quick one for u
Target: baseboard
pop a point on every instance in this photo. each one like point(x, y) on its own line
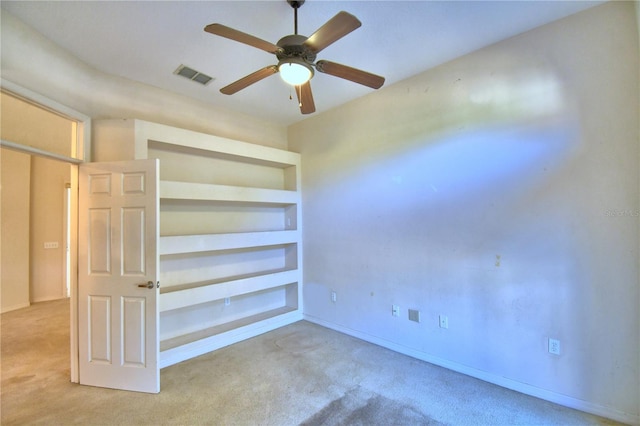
point(48, 299)
point(15, 307)
point(547, 395)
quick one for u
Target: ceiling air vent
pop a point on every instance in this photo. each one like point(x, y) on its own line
point(193, 75)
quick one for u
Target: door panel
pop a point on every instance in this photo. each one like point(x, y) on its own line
point(99, 241)
point(133, 336)
point(118, 269)
point(99, 316)
point(133, 253)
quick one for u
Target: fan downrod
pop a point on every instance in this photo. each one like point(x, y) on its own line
point(295, 4)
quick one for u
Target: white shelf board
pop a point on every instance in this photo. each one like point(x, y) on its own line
point(210, 242)
point(173, 351)
point(159, 133)
point(208, 293)
point(202, 191)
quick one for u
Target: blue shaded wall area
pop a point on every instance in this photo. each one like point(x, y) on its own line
point(502, 191)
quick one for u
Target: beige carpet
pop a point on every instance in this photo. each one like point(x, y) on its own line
point(299, 374)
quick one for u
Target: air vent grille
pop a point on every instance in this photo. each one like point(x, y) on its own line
point(193, 75)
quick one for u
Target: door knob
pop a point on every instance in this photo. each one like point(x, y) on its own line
point(147, 285)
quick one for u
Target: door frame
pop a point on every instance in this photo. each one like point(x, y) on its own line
point(81, 152)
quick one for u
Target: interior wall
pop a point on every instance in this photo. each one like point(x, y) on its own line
point(33, 213)
point(47, 271)
point(14, 215)
point(32, 61)
point(500, 190)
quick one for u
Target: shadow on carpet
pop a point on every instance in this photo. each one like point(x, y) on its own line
point(360, 407)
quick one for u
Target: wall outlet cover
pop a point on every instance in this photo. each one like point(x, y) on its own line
point(444, 321)
point(554, 346)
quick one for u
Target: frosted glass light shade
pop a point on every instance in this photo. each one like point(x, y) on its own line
point(294, 72)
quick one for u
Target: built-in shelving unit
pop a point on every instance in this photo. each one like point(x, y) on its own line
point(229, 247)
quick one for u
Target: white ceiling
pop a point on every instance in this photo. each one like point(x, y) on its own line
point(147, 40)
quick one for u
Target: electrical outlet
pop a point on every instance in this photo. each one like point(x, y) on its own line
point(444, 321)
point(227, 301)
point(334, 297)
point(414, 315)
point(51, 245)
point(554, 346)
point(395, 310)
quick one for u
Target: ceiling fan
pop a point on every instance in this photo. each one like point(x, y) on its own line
point(297, 54)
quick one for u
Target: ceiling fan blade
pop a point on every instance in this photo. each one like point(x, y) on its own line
point(230, 33)
point(236, 86)
point(352, 74)
point(305, 98)
point(335, 28)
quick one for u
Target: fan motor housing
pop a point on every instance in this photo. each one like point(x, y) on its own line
point(292, 47)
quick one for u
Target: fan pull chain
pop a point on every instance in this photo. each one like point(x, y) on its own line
point(298, 92)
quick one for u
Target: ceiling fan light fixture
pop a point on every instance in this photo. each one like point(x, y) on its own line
point(295, 71)
point(297, 56)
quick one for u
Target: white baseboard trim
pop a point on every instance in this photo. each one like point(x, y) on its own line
point(524, 388)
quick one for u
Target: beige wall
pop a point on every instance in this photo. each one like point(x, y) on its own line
point(502, 191)
point(14, 247)
point(32, 214)
point(48, 181)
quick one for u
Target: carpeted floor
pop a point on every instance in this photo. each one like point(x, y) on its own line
point(299, 374)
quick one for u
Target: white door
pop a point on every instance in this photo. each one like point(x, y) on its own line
point(117, 273)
